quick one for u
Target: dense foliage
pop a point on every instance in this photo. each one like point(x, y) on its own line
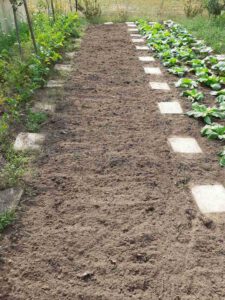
point(19, 78)
point(184, 55)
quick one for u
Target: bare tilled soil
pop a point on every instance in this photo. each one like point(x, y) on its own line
point(110, 213)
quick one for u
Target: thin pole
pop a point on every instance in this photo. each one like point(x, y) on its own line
point(30, 25)
point(76, 1)
point(53, 10)
point(17, 30)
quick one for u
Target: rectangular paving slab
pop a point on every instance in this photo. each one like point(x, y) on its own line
point(44, 107)
point(138, 40)
point(136, 35)
point(63, 68)
point(142, 48)
point(184, 145)
point(132, 29)
point(108, 23)
point(210, 198)
point(55, 83)
point(132, 25)
point(29, 141)
point(146, 58)
point(70, 55)
point(170, 107)
point(152, 71)
point(159, 86)
point(9, 199)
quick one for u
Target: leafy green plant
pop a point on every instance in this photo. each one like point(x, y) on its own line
point(193, 95)
point(34, 120)
point(220, 68)
point(6, 219)
point(173, 61)
point(179, 71)
point(14, 169)
point(205, 113)
point(201, 71)
point(220, 95)
point(214, 131)
point(211, 81)
point(222, 158)
point(211, 60)
point(187, 83)
point(196, 63)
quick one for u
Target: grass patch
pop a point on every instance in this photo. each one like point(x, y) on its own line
point(14, 168)
point(35, 120)
point(6, 219)
point(130, 10)
point(211, 30)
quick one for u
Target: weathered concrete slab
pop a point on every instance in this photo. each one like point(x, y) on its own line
point(210, 198)
point(70, 55)
point(142, 48)
point(146, 58)
point(132, 29)
point(9, 199)
point(138, 40)
point(184, 145)
point(136, 35)
point(55, 84)
point(132, 25)
point(29, 141)
point(159, 86)
point(108, 23)
point(62, 68)
point(173, 107)
point(44, 107)
point(152, 71)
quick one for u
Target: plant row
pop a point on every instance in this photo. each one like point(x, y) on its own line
point(199, 70)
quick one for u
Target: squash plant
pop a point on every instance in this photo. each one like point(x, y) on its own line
point(205, 113)
point(214, 131)
point(222, 157)
point(186, 83)
point(193, 95)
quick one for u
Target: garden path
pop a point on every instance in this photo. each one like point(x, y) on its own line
point(111, 215)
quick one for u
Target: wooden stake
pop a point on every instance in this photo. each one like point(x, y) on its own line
point(30, 25)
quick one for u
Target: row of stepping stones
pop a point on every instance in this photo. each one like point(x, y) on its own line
point(210, 198)
point(27, 141)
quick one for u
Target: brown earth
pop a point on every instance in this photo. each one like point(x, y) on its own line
point(111, 215)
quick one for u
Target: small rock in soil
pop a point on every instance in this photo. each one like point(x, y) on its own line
point(86, 275)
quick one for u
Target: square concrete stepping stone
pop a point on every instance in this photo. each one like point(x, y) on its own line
point(170, 107)
point(55, 83)
point(136, 35)
point(44, 107)
point(210, 198)
point(132, 29)
point(70, 55)
point(152, 71)
point(184, 145)
point(146, 58)
point(9, 199)
point(138, 40)
point(163, 86)
point(63, 68)
point(142, 48)
point(108, 23)
point(29, 141)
